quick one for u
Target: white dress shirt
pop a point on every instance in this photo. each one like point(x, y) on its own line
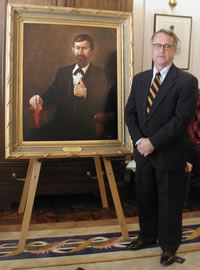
point(78, 76)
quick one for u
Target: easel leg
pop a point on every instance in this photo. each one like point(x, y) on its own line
point(101, 183)
point(26, 188)
point(115, 196)
point(31, 190)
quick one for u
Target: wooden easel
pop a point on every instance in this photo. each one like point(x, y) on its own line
point(30, 186)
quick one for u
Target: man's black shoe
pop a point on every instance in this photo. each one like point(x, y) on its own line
point(138, 244)
point(167, 258)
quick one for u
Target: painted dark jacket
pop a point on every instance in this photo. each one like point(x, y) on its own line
point(74, 116)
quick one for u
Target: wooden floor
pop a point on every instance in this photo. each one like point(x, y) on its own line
point(85, 207)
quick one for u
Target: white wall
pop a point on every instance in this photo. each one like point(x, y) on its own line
point(144, 11)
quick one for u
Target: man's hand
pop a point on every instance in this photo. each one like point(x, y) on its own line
point(145, 147)
point(35, 101)
point(80, 89)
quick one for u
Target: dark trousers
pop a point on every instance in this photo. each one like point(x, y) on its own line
point(160, 198)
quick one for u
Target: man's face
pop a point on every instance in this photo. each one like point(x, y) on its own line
point(82, 52)
point(162, 57)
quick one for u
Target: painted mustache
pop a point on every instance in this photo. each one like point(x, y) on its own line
point(81, 59)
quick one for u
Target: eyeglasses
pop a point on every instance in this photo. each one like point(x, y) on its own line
point(158, 46)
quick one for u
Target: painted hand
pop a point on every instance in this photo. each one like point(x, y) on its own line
point(80, 89)
point(36, 102)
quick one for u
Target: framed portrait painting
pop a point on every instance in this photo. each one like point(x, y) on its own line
point(182, 27)
point(51, 108)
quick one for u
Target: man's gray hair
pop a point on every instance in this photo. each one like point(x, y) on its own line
point(167, 32)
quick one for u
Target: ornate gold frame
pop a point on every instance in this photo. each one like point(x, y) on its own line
point(20, 15)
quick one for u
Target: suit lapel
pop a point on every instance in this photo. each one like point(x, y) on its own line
point(165, 87)
point(69, 79)
point(68, 93)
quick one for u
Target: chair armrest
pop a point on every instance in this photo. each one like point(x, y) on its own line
point(36, 116)
point(42, 115)
point(102, 117)
point(100, 120)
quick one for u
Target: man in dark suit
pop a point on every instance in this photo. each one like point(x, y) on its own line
point(157, 123)
point(79, 91)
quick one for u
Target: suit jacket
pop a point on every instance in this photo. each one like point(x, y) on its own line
point(166, 124)
point(74, 116)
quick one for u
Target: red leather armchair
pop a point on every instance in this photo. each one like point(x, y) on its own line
point(194, 140)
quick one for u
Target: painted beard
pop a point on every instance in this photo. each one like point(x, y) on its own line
point(81, 60)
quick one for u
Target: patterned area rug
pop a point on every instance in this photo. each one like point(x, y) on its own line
point(67, 247)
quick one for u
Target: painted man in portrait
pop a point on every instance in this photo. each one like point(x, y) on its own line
point(82, 95)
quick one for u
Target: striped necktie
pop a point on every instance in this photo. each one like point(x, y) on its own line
point(153, 91)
